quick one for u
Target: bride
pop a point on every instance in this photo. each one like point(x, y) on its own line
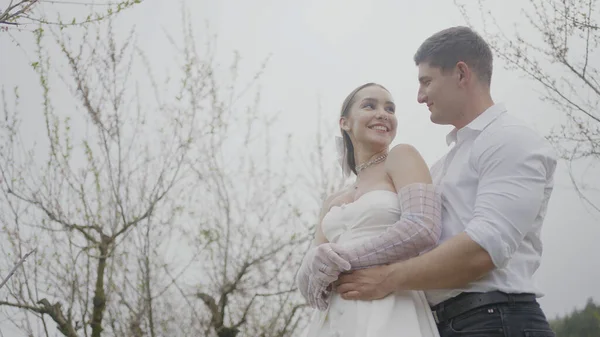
point(392, 212)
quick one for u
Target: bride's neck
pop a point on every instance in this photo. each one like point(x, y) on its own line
point(362, 156)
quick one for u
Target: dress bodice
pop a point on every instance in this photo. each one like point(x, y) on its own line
point(369, 215)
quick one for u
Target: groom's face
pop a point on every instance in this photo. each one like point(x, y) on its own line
point(440, 91)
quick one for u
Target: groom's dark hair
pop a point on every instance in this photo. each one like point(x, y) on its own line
point(446, 48)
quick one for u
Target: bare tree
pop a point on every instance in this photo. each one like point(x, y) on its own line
point(20, 13)
point(153, 210)
point(563, 58)
point(250, 219)
point(82, 202)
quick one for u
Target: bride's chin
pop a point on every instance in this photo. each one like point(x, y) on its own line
point(379, 142)
point(375, 141)
point(376, 147)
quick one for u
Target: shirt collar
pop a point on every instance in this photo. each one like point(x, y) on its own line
point(479, 123)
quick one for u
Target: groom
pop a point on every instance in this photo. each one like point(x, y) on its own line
point(496, 181)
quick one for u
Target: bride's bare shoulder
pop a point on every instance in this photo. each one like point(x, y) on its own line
point(403, 151)
point(405, 165)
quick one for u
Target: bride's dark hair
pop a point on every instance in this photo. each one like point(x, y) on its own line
point(348, 102)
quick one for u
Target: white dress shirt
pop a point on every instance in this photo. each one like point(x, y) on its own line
point(496, 182)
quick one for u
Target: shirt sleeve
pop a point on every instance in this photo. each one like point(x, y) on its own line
point(516, 169)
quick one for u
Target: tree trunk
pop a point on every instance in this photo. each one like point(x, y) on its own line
point(99, 296)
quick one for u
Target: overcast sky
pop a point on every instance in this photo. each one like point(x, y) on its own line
point(322, 49)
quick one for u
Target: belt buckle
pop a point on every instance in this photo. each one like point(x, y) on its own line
point(435, 316)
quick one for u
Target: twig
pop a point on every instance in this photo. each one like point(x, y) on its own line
point(16, 267)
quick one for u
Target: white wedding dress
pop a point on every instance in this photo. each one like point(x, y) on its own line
point(401, 314)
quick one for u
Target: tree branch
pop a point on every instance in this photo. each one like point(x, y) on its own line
point(52, 310)
point(16, 267)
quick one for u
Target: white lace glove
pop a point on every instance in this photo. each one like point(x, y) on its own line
point(320, 267)
point(418, 230)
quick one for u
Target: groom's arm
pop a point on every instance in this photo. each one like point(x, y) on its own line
point(515, 166)
point(452, 264)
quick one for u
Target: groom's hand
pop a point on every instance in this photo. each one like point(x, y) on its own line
point(366, 284)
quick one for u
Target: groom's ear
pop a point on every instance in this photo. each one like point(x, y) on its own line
point(463, 72)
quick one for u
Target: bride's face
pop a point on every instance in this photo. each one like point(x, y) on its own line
point(371, 119)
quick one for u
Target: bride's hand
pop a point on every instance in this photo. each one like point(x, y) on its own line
point(321, 267)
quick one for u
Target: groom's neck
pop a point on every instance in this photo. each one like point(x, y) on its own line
point(479, 101)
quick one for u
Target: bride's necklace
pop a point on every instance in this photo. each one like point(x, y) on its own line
point(363, 166)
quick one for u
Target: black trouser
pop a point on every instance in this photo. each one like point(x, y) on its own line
point(517, 316)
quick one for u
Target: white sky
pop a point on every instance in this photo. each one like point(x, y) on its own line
point(325, 48)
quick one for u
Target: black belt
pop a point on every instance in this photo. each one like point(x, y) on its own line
point(469, 301)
